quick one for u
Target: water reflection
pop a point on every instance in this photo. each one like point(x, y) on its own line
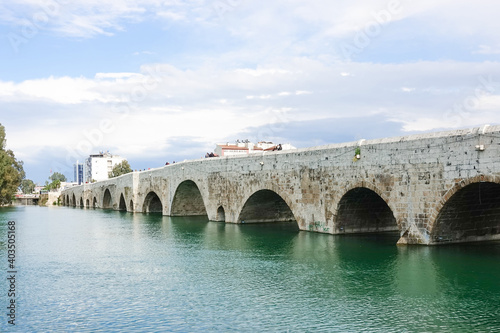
point(119, 271)
point(481, 271)
point(315, 249)
point(268, 239)
point(189, 225)
point(153, 225)
point(415, 272)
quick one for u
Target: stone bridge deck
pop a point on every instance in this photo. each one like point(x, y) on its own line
point(433, 188)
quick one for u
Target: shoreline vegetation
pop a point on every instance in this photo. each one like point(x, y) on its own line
point(11, 171)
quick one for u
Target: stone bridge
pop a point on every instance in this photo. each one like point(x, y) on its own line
point(433, 188)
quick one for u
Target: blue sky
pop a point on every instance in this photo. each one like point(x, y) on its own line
point(158, 81)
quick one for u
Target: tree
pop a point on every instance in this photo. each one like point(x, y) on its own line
point(120, 169)
point(11, 171)
point(55, 185)
point(27, 186)
point(58, 176)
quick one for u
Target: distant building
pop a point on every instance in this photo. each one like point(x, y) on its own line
point(66, 185)
point(98, 166)
point(230, 150)
point(78, 173)
point(38, 189)
point(246, 147)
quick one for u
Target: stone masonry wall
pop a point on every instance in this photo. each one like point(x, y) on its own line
point(414, 177)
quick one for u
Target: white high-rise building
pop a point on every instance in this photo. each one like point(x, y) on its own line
point(98, 166)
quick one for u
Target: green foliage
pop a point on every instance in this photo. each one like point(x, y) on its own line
point(43, 200)
point(357, 151)
point(11, 171)
point(120, 169)
point(27, 186)
point(58, 176)
point(55, 185)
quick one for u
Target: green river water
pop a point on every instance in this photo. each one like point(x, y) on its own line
point(81, 270)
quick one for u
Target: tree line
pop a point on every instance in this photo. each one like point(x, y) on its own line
point(11, 171)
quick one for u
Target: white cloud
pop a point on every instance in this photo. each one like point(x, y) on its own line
point(117, 75)
point(163, 101)
point(144, 52)
point(171, 15)
point(268, 60)
point(63, 90)
point(272, 23)
point(261, 71)
point(89, 18)
point(489, 103)
point(265, 30)
point(303, 92)
point(487, 49)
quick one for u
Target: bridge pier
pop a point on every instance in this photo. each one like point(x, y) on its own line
point(26, 201)
point(413, 236)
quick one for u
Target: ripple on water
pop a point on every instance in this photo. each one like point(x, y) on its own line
point(95, 271)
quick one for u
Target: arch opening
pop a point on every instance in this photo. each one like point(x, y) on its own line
point(73, 203)
point(152, 203)
point(471, 214)
point(122, 205)
point(87, 203)
point(265, 206)
point(81, 203)
point(94, 203)
point(188, 200)
point(107, 201)
point(66, 203)
point(221, 214)
point(362, 210)
point(131, 206)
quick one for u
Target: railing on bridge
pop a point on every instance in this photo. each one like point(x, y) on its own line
point(26, 199)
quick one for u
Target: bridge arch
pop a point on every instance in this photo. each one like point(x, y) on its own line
point(221, 214)
point(81, 203)
point(364, 208)
point(265, 206)
point(94, 203)
point(122, 206)
point(73, 202)
point(188, 200)
point(131, 206)
point(152, 203)
point(87, 203)
point(468, 212)
point(107, 200)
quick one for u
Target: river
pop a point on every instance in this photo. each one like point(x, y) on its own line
point(84, 270)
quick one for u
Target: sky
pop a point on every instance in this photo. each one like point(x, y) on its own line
point(157, 81)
